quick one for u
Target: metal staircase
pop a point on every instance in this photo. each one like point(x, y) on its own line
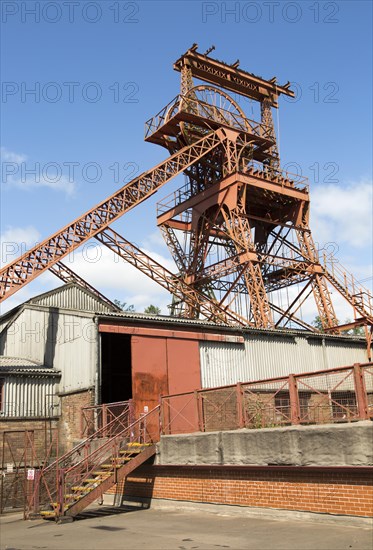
point(359, 297)
point(71, 483)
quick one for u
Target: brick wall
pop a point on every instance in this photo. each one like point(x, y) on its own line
point(70, 427)
point(14, 443)
point(346, 491)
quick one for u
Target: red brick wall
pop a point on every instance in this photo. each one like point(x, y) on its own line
point(346, 491)
point(70, 425)
point(44, 432)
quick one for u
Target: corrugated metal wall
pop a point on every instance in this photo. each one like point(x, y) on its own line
point(268, 356)
point(72, 297)
point(67, 342)
point(29, 396)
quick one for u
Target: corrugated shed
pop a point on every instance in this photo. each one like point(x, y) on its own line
point(56, 338)
point(20, 366)
point(72, 296)
point(18, 362)
point(268, 356)
point(29, 396)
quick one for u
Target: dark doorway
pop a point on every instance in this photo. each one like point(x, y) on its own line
point(116, 379)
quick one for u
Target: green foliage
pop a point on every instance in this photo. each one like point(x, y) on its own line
point(152, 310)
point(124, 307)
point(317, 323)
point(356, 331)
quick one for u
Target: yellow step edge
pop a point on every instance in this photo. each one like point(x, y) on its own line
point(55, 504)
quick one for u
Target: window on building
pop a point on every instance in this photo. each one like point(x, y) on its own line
point(282, 404)
point(343, 405)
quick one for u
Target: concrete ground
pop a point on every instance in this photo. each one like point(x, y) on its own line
point(153, 529)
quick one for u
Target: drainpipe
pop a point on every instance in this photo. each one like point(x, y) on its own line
point(325, 355)
point(97, 365)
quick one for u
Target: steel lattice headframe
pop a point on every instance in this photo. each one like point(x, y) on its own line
point(238, 229)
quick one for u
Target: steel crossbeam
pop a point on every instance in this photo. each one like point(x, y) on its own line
point(41, 257)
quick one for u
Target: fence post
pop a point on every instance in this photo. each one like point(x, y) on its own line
point(36, 492)
point(360, 392)
point(199, 411)
point(161, 416)
point(240, 414)
point(61, 491)
point(104, 420)
point(82, 423)
point(294, 400)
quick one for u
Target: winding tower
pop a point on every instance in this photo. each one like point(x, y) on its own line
point(238, 229)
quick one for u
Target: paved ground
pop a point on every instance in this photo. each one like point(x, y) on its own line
point(179, 530)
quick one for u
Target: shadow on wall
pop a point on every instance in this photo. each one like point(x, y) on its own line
point(51, 337)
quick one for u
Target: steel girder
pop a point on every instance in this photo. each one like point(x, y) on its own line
point(34, 262)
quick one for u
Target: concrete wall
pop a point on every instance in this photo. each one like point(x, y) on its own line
point(325, 445)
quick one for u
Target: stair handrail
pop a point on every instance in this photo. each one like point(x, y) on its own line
point(78, 473)
point(83, 443)
point(54, 477)
point(111, 440)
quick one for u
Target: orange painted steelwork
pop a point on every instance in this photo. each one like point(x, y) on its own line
point(238, 230)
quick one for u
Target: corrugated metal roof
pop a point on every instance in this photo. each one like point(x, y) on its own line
point(71, 296)
point(167, 319)
point(21, 365)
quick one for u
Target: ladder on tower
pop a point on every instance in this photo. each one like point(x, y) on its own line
point(83, 475)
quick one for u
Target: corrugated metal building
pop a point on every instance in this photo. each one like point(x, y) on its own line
point(106, 356)
point(27, 389)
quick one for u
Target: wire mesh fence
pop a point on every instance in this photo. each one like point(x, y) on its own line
point(95, 417)
point(344, 394)
point(22, 452)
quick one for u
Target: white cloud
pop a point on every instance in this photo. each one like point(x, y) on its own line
point(18, 171)
point(156, 240)
point(15, 241)
point(117, 278)
point(9, 156)
point(343, 214)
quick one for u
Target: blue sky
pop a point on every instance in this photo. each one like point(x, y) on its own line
point(101, 69)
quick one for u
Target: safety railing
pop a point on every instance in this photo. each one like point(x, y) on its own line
point(208, 112)
point(337, 395)
point(276, 175)
point(54, 484)
point(282, 178)
point(93, 418)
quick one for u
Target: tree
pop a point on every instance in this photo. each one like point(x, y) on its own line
point(152, 310)
point(317, 323)
point(124, 307)
point(356, 331)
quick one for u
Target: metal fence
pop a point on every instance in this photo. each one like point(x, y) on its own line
point(343, 394)
point(95, 417)
point(54, 483)
point(22, 452)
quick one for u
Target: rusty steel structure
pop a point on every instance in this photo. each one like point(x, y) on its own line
point(238, 229)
